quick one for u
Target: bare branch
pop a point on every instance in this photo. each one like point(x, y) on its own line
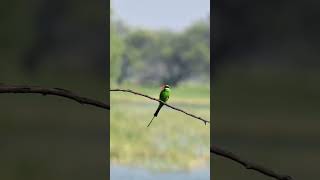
point(83, 100)
point(247, 164)
point(54, 92)
point(172, 107)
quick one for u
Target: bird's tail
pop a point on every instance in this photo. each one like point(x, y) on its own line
point(157, 111)
point(150, 121)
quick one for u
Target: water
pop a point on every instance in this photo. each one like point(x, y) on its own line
point(129, 173)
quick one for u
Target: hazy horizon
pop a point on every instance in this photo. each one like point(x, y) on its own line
point(165, 14)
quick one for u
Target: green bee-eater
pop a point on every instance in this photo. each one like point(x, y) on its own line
point(164, 96)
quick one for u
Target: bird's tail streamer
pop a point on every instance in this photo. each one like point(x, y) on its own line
point(151, 121)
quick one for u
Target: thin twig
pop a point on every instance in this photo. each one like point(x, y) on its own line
point(247, 164)
point(172, 107)
point(54, 92)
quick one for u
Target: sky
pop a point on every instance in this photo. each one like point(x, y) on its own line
point(174, 15)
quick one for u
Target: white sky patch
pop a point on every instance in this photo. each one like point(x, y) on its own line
point(174, 15)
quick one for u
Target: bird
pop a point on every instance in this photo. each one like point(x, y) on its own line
point(164, 96)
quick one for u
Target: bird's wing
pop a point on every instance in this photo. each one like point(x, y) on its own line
point(164, 95)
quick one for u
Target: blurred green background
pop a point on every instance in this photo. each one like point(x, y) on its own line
point(53, 44)
point(143, 59)
point(265, 99)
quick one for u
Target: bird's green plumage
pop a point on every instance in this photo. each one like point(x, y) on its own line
point(164, 96)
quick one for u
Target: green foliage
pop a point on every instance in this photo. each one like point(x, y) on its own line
point(116, 52)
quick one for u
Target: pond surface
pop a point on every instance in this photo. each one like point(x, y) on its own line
point(129, 173)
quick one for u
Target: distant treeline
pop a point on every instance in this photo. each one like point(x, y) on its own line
point(152, 57)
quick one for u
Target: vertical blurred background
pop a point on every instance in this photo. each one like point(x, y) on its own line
point(155, 43)
point(266, 87)
point(53, 43)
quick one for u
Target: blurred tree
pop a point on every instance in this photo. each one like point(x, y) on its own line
point(142, 52)
point(153, 57)
point(191, 54)
point(116, 52)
